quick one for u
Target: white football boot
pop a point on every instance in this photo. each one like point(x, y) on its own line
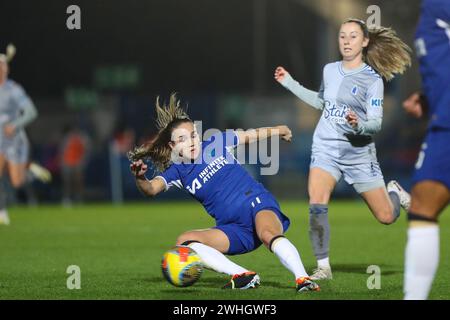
point(40, 173)
point(321, 273)
point(405, 198)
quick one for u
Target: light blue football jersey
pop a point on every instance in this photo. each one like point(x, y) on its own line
point(16, 108)
point(360, 90)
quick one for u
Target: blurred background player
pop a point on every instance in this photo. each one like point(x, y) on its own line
point(246, 214)
point(430, 193)
point(74, 155)
point(351, 100)
point(16, 111)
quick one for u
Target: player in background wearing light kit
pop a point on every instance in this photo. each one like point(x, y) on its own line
point(430, 193)
point(16, 111)
point(351, 101)
point(246, 214)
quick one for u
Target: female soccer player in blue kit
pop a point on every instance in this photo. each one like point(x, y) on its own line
point(246, 214)
point(351, 101)
point(430, 193)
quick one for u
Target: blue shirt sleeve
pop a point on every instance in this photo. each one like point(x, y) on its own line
point(171, 177)
point(439, 8)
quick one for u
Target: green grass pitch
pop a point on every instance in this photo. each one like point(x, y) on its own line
point(119, 250)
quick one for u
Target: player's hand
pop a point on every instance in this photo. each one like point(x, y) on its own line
point(9, 130)
point(285, 133)
point(352, 119)
point(280, 74)
point(413, 105)
point(138, 168)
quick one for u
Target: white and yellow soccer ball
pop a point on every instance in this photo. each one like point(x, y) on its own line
point(181, 266)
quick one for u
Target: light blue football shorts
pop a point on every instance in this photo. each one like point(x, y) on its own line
point(15, 149)
point(362, 176)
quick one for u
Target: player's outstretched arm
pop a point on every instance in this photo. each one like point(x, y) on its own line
point(148, 187)
point(310, 97)
point(252, 135)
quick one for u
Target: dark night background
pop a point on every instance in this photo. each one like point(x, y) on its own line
point(190, 46)
point(219, 56)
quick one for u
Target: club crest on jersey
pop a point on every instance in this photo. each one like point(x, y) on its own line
point(354, 90)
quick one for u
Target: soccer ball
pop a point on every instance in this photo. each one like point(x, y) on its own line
point(181, 266)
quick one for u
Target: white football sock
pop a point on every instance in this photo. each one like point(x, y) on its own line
point(4, 213)
point(4, 218)
point(324, 263)
point(421, 261)
point(215, 260)
point(289, 257)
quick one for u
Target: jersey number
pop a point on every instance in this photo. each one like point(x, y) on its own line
point(258, 201)
point(421, 157)
point(444, 25)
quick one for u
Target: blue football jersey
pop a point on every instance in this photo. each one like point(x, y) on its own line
point(433, 50)
point(217, 181)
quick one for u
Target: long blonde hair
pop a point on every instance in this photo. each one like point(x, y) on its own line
point(158, 151)
point(9, 55)
point(386, 52)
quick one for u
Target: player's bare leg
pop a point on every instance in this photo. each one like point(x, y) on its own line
point(17, 177)
point(385, 207)
point(2, 164)
point(320, 186)
point(17, 174)
point(270, 232)
point(428, 199)
point(210, 245)
point(214, 238)
point(4, 218)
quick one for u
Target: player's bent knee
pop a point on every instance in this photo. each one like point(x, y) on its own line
point(188, 242)
point(268, 235)
point(319, 197)
point(188, 237)
point(386, 221)
point(386, 217)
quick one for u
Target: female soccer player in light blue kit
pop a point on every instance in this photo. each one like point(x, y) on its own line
point(16, 111)
point(351, 101)
point(246, 214)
